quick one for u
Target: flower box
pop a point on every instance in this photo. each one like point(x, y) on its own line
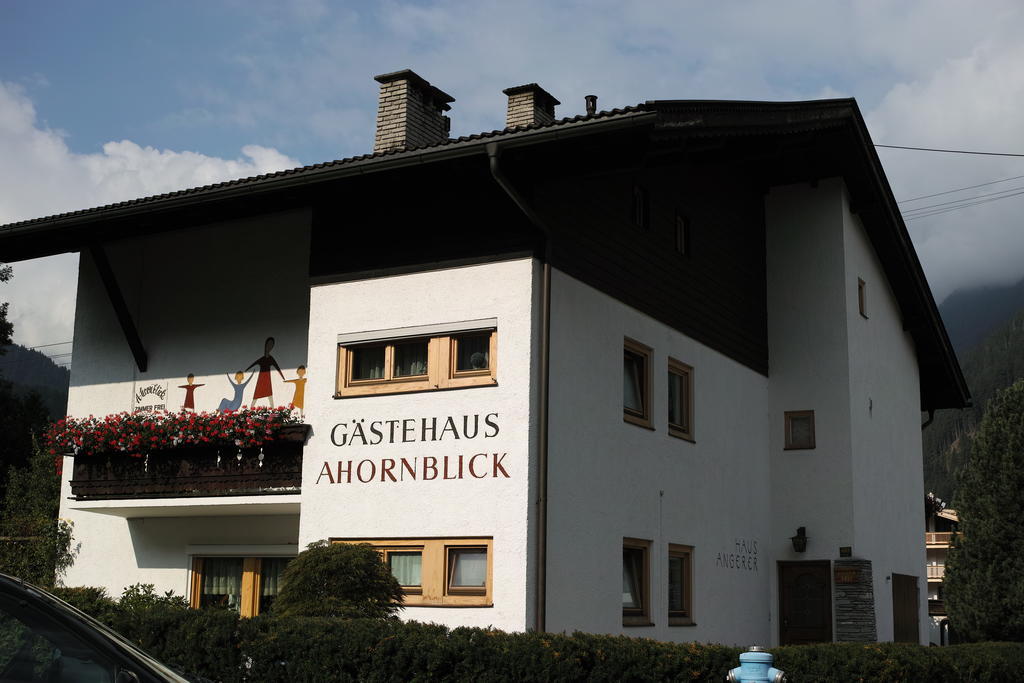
point(171, 455)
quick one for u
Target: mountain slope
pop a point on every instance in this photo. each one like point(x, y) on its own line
point(971, 314)
point(993, 364)
point(29, 371)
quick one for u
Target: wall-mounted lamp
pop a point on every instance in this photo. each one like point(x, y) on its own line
point(800, 540)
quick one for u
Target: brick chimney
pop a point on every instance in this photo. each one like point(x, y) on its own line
point(529, 104)
point(410, 112)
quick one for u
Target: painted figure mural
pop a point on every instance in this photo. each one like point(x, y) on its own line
point(264, 388)
point(300, 389)
point(190, 392)
point(238, 385)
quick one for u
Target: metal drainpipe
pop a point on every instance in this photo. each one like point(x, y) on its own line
point(545, 348)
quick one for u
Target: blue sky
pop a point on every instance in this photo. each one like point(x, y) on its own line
point(101, 102)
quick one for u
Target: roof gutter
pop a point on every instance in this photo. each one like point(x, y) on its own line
point(540, 556)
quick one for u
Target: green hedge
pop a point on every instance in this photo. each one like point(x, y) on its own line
point(220, 646)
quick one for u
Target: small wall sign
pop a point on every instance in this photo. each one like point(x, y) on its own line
point(846, 575)
point(150, 398)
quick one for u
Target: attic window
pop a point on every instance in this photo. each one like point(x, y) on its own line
point(799, 430)
point(682, 234)
point(641, 208)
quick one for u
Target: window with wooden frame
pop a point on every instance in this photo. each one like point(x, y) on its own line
point(862, 301)
point(636, 383)
point(799, 429)
point(636, 582)
point(247, 585)
point(439, 572)
point(680, 585)
point(461, 358)
point(680, 399)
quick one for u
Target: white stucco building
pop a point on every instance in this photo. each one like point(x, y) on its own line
point(453, 314)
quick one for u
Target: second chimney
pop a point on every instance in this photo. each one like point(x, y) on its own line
point(410, 112)
point(529, 105)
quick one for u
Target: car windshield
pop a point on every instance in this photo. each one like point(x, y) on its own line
point(46, 639)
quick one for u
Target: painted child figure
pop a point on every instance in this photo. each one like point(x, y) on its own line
point(234, 403)
point(299, 399)
point(190, 392)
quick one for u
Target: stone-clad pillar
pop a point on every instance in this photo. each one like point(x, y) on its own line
point(854, 601)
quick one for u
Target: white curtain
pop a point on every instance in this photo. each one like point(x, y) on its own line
point(271, 569)
point(222, 582)
point(406, 566)
point(473, 352)
point(411, 359)
point(469, 568)
point(675, 584)
point(632, 568)
point(632, 394)
point(369, 363)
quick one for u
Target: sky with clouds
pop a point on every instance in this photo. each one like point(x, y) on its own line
point(102, 102)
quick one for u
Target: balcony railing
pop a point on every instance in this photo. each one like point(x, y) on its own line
point(936, 571)
point(937, 608)
point(194, 471)
point(937, 538)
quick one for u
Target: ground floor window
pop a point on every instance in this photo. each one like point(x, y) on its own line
point(635, 582)
point(439, 572)
point(247, 585)
point(680, 585)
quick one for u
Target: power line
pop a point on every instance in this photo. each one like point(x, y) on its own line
point(965, 199)
point(43, 346)
point(952, 151)
point(962, 206)
point(959, 189)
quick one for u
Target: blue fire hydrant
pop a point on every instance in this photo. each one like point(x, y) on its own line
point(756, 667)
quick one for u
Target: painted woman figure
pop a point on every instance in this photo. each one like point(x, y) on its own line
point(300, 389)
point(265, 362)
point(235, 403)
point(190, 392)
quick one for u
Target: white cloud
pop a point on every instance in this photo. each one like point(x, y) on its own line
point(971, 102)
point(40, 176)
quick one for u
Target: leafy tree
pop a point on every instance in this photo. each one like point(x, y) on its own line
point(984, 583)
point(338, 580)
point(34, 544)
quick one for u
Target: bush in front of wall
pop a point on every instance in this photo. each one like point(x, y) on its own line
point(143, 596)
point(218, 645)
point(343, 580)
point(92, 600)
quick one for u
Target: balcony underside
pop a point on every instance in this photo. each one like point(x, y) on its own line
point(219, 506)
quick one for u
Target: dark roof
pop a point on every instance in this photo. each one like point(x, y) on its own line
point(316, 171)
point(942, 379)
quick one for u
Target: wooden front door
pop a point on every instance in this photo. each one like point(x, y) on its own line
point(805, 602)
point(904, 609)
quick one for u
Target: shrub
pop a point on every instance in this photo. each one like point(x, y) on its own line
point(338, 580)
point(143, 596)
point(92, 600)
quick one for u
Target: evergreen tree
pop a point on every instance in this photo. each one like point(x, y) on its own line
point(338, 580)
point(984, 584)
point(6, 328)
